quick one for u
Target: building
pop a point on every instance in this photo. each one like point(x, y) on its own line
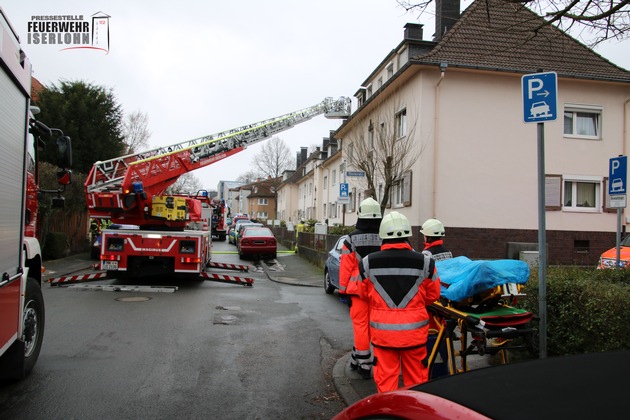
point(458, 100)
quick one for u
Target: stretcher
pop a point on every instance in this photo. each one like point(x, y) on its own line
point(483, 319)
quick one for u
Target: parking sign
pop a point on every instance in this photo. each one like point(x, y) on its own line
point(540, 97)
point(617, 175)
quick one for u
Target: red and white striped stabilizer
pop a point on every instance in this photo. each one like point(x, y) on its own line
point(221, 278)
point(227, 266)
point(57, 281)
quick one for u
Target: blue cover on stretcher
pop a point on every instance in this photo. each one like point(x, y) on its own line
point(465, 277)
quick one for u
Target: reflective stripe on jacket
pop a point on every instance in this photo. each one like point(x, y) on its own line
point(358, 245)
point(437, 251)
point(399, 283)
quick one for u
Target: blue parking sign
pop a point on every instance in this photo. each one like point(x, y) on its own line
point(540, 97)
point(617, 176)
point(343, 189)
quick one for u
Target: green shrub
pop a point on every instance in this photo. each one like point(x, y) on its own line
point(587, 309)
point(337, 229)
point(55, 246)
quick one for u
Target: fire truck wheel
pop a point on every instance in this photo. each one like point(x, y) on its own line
point(34, 319)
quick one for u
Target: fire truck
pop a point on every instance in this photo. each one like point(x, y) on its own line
point(173, 234)
point(219, 227)
point(21, 299)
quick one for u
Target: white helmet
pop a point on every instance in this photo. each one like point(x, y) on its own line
point(394, 226)
point(432, 227)
point(369, 209)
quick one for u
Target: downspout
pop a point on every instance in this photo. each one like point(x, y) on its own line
point(436, 139)
point(624, 141)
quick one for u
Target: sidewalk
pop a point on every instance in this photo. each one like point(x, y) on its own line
point(297, 271)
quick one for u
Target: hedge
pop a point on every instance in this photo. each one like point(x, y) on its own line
point(588, 310)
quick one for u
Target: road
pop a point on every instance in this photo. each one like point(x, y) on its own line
point(208, 350)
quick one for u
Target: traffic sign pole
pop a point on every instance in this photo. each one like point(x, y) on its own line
point(540, 104)
point(542, 244)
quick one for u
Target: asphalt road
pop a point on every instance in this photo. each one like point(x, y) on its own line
point(208, 350)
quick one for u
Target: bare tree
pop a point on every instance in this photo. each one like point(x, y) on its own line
point(249, 176)
point(388, 152)
point(187, 183)
point(135, 131)
point(594, 20)
point(274, 158)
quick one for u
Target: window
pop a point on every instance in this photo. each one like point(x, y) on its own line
point(262, 201)
point(262, 215)
point(369, 90)
point(401, 123)
point(573, 193)
point(350, 151)
point(325, 185)
point(353, 196)
point(324, 210)
point(582, 121)
point(334, 177)
point(400, 193)
point(341, 171)
point(390, 70)
point(371, 136)
point(380, 82)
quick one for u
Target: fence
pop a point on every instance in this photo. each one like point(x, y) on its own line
point(313, 247)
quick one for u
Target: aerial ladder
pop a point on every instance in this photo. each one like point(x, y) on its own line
point(130, 191)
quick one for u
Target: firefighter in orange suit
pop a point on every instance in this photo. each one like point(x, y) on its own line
point(361, 242)
point(399, 283)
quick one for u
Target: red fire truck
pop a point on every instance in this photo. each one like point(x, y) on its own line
point(129, 190)
point(21, 301)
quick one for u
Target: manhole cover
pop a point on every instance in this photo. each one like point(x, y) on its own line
point(133, 299)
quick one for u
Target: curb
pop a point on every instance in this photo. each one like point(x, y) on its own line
point(342, 382)
point(284, 280)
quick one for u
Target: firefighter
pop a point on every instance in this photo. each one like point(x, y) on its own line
point(361, 242)
point(399, 283)
point(433, 231)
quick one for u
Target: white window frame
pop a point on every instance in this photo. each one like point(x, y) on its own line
point(575, 109)
point(262, 202)
point(390, 70)
point(333, 180)
point(574, 180)
point(325, 182)
point(401, 123)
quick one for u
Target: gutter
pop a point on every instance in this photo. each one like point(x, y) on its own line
point(436, 131)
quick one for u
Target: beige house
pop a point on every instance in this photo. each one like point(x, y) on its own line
point(459, 98)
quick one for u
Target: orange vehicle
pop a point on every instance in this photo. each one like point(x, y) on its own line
point(608, 259)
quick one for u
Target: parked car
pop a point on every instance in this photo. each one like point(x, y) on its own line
point(608, 259)
point(331, 268)
point(232, 230)
point(584, 386)
point(241, 226)
point(257, 241)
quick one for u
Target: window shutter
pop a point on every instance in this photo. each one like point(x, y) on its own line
point(553, 192)
point(606, 198)
point(407, 189)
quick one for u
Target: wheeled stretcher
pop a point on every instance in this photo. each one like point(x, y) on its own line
point(476, 309)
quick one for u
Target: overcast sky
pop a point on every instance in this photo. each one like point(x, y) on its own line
point(201, 67)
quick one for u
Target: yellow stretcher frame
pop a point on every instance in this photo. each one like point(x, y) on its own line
point(447, 318)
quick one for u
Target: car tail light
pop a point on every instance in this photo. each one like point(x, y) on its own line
point(110, 257)
point(191, 260)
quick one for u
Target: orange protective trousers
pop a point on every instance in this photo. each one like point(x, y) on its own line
point(360, 317)
point(390, 362)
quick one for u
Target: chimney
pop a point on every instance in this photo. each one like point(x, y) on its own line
point(303, 153)
point(413, 31)
point(446, 15)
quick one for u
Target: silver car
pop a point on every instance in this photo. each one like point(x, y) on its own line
point(331, 269)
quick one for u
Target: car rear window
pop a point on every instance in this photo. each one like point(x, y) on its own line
point(257, 232)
